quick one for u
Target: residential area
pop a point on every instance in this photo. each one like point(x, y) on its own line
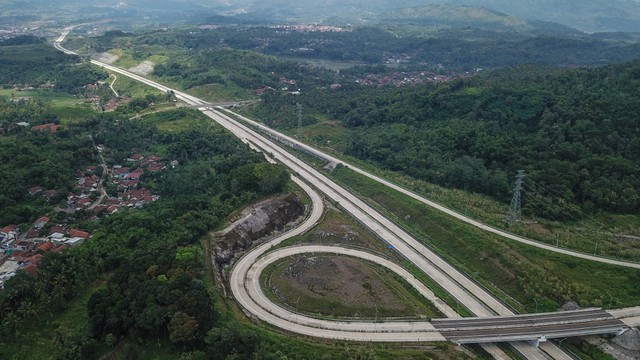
point(96, 193)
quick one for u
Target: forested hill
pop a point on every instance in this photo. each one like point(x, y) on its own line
point(576, 132)
point(28, 61)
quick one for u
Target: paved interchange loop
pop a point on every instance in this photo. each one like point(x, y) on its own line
point(245, 284)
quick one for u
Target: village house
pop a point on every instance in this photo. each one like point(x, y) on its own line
point(78, 233)
point(42, 221)
point(35, 190)
point(51, 127)
point(9, 232)
point(45, 247)
point(24, 245)
point(49, 194)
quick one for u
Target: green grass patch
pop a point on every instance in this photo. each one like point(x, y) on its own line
point(218, 92)
point(516, 273)
point(125, 59)
point(75, 114)
point(55, 98)
point(158, 59)
point(131, 88)
point(177, 120)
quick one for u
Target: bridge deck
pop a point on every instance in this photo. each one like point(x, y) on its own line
point(529, 327)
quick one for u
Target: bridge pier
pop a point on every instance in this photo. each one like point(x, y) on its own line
point(537, 341)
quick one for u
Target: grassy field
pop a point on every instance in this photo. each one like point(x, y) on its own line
point(342, 287)
point(519, 274)
point(57, 99)
point(217, 92)
point(131, 88)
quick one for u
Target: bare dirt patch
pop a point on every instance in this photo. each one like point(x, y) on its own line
point(144, 68)
point(540, 229)
point(105, 57)
point(341, 286)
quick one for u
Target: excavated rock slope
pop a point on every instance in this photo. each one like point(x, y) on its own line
point(255, 222)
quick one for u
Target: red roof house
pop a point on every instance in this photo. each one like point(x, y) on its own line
point(41, 222)
point(35, 259)
point(78, 233)
point(45, 247)
point(51, 127)
point(31, 269)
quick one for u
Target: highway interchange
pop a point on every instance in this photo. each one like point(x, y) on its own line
point(246, 287)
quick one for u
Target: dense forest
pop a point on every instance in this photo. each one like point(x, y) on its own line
point(574, 131)
point(28, 61)
point(156, 289)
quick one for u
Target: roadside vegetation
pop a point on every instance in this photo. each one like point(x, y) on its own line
point(373, 289)
point(520, 275)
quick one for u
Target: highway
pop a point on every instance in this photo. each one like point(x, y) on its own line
point(463, 289)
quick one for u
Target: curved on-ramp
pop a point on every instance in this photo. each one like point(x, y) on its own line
point(245, 285)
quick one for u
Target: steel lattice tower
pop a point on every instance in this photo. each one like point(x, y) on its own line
point(299, 118)
point(515, 210)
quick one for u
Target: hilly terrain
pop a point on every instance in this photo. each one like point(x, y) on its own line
point(439, 16)
point(588, 15)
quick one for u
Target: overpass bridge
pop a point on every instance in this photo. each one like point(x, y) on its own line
point(534, 328)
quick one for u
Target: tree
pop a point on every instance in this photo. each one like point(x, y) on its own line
point(183, 329)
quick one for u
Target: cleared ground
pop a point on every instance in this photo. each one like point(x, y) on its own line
point(342, 287)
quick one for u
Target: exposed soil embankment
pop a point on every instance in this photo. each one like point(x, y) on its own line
point(256, 222)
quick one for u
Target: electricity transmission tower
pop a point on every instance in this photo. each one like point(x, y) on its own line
point(299, 118)
point(515, 210)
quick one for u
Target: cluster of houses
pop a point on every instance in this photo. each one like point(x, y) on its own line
point(127, 181)
point(24, 250)
point(88, 189)
point(400, 78)
point(285, 87)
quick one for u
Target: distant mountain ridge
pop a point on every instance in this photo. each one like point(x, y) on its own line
point(461, 16)
point(585, 15)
